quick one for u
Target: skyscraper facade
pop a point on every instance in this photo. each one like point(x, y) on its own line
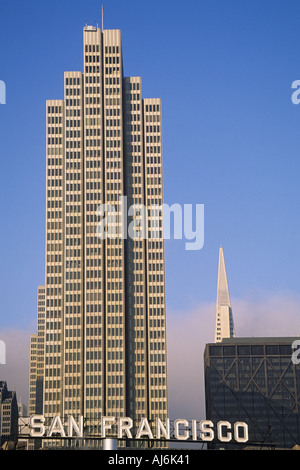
point(105, 318)
point(36, 372)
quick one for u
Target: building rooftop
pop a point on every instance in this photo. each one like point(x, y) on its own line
point(258, 339)
point(255, 340)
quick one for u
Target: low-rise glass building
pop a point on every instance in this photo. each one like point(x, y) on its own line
point(255, 380)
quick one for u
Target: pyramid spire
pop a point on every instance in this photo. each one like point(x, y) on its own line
point(223, 297)
point(224, 327)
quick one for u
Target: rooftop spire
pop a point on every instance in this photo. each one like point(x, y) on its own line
point(224, 320)
point(223, 297)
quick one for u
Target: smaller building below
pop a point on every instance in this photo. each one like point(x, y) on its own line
point(8, 417)
point(256, 381)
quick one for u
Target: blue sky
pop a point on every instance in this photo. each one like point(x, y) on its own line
point(231, 135)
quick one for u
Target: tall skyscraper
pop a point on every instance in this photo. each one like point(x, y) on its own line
point(105, 318)
point(224, 327)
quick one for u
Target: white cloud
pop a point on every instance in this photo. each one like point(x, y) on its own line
point(273, 314)
point(187, 334)
point(16, 369)
point(261, 314)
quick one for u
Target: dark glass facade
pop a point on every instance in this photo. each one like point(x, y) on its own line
point(8, 416)
point(254, 380)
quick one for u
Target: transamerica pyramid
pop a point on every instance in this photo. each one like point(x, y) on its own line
point(224, 320)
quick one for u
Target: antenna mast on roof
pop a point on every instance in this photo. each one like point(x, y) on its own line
point(102, 19)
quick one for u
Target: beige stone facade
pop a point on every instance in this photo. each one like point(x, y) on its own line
point(36, 371)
